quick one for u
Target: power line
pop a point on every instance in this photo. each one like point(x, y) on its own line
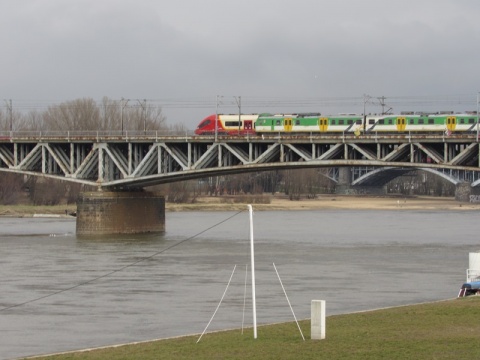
point(251, 102)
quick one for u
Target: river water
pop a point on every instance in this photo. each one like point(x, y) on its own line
point(59, 293)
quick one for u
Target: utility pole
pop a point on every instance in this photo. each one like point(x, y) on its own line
point(123, 104)
point(143, 115)
point(216, 116)
point(366, 98)
point(239, 104)
point(478, 99)
point(382, 103)
point(10, 112)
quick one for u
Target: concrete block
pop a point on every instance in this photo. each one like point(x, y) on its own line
point(318, 330)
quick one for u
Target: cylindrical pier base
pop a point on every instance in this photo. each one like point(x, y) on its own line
point(110, 213)
point(463, 192)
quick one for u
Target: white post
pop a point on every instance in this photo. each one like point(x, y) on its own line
point(216, 118)
point(478, 99)
point(318, 320)
point(254, 305)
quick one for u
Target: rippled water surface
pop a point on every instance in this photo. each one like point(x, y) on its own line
point(61, 293)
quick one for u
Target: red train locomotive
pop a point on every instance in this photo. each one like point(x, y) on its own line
point(227, 124)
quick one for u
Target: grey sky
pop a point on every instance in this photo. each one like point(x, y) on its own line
point(182, 53)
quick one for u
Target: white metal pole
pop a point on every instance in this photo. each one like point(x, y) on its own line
point(239, 103)
point(252, 256)
point(478, 94)
point(216, 119)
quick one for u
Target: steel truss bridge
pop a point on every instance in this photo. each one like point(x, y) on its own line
point(123, 161)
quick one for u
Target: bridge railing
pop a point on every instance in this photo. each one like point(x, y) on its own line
point(126, 135)
point(89, 134)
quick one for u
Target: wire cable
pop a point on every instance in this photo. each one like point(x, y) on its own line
point(121, 268)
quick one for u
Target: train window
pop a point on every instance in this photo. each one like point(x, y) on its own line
point(341, 122)
point(390, 121)
point(471, 121)
point(297, 122)
point(371, 122)
point(431, 121)
point(421, 121)
point(350, 122)
point(381, 121)
point(232, 123)
point(277, 122)
point(203, 124)
point(411, 121)
point(333, 121)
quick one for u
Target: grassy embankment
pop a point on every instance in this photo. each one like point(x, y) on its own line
point(442, 330)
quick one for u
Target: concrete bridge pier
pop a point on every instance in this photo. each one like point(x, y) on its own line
point(120, 212)
point(464, 192)
point(344, 185)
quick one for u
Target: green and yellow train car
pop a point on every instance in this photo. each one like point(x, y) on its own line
point(307, 123)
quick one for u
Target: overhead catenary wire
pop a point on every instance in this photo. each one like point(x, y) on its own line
point(263, 102)
point(119, 269)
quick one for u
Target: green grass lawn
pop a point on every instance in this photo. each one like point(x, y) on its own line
point(443, 330)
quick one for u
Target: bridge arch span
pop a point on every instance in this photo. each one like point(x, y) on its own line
point(383, 175)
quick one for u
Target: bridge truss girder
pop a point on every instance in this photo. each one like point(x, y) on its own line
point(142, 162)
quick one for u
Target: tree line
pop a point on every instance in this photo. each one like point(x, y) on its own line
point(86, 114)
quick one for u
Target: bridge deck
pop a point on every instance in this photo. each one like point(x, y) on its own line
point(111, 160)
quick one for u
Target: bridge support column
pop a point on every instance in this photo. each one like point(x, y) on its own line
point(345, 186)
point(344, 180)
point(110, 213)
point(463, 192)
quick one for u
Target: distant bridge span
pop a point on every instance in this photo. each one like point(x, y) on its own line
point(126, 162)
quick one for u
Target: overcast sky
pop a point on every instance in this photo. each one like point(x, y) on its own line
point(277, 55)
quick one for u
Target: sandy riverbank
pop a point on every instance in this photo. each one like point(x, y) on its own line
point(331, 202)
point(279, 202)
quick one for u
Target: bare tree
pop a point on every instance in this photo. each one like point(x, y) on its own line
point(84, 115)
point(177, 129)
point(178, 192)
point(9, 118)
point(3, 121)
point(80, 114)
point(140, 116)
point(110, 114)
point(32, 121)
point(10, 188)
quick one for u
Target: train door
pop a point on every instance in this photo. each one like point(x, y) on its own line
point(287, 124)
point(451, 123)
point(401, 123)
point(323, 124)
point(248, 125)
